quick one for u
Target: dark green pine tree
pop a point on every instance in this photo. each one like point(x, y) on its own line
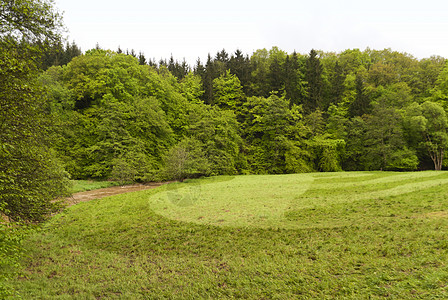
point(314, 70)
point(199, 69)
point(185, 68)
point(163, 63)
point(221, 63)
point(207, 80)
point(172, 65)
point(276, 76)
point(295, 85)
point(58, 55)
point(152, 62)
point(337, 84)
point(361, 104)
point(222, 56)
point(52, 56)
point(71, 51)
point(141, 59)
point(178, 70)
point(239, 65)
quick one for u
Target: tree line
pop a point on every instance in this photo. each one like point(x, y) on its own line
point(271, 112)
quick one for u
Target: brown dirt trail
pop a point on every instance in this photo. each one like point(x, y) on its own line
point(115, 190)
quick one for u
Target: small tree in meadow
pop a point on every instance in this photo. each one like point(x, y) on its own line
point(186, 160)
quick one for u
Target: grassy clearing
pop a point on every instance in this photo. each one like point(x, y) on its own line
point(89, 185)
point(340, 235)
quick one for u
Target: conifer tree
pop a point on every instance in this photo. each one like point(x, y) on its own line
point(240, 66)
point(141, 58)
point(361, 104)
point(314, 70)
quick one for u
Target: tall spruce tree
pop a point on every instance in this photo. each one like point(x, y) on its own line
point(337, 84)
point(207, 80)
point(240, 66)
point(361, 104)
point(314, 70)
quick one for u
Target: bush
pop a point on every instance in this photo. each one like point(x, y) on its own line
point(186, 160)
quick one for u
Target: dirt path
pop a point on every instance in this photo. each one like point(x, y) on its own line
point(115, 190)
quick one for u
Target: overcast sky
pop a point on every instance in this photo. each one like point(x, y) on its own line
point(194, 28)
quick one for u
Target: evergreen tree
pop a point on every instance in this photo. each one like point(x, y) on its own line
point(199, 68)
point(207, 81)
point(314, 70)
point(361, 104)
point(337, 84)
point(222, 56)
point(172, 65)
point(276, 75)
point(240, 66)
point(141, 58)
point(58, 55)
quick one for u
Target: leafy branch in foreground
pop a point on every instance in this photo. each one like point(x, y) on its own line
point(30, 176)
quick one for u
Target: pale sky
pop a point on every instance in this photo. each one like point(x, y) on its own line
point(194, 28)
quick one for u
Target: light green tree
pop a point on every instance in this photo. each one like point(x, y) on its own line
point(191, 88)
point(30, 175)
point(186, 160)
point(428, 125)
point(228, 92)
point(439, 93)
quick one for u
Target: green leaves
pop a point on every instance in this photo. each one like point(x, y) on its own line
point(30, 175)
point(428, 123)
point(228, 92)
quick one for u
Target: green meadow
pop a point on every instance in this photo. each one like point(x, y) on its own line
point(354, 235)
point(89, 185)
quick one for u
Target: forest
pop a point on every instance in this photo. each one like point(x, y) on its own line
point(120, 117)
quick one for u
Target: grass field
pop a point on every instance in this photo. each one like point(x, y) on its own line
point(88, 185)
point(347, 235)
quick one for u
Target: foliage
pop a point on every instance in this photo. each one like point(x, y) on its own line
point(273, 131)
point(386, 146)
point(227, 91)
point(328, 153)
point(118, 125)
point(120, 118)
point(187, 160)
point(314, 73)
point(30, 174)
point(217, 132)
point(430, 122)
point(29, 21)
point(191, 88)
